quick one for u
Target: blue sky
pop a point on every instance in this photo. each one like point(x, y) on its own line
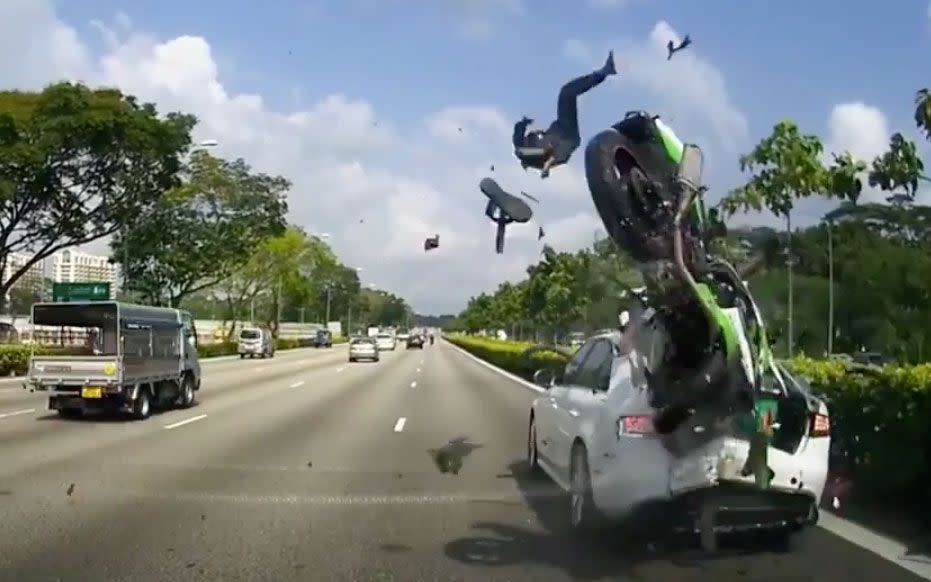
point(406, 56)
point(358, 101)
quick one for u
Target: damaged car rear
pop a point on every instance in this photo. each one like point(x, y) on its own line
point(592, 433)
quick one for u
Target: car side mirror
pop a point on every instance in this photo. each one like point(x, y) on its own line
point(544, 378)
point(192, 341)
point(690, 167)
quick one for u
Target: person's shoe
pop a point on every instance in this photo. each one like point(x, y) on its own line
point(609, 68)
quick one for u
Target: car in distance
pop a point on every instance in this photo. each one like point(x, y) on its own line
point(415, 340)
point(256, 341)
point(386, 341)
point(404, 335)
point(592, 433)
point(323, 339)
point(363, 348)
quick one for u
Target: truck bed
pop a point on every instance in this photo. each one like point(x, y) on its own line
point(100, 370)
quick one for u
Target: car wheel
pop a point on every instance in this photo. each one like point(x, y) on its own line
point(533, 459)
point(188, 395)
point(242, 356)
point(142, 407)
point(583, 516)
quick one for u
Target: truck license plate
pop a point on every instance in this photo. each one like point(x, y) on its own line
point(91, 392)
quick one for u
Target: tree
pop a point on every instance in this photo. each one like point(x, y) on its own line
point(556, 296)
point(200, 232)
point(78, 164)
point(785, 165)
point(923, 111)
point(898, 168)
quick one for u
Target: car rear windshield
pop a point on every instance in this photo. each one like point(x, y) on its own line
point(363, 340)
point(384, 336)
point(250, 334)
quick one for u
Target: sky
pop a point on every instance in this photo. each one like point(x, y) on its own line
point(360, 102)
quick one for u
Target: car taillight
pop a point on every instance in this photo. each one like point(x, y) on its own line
point(635, 426)
point(820, 425)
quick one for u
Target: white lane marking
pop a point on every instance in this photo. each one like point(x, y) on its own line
point(297, 384)
point(260, 369)
point(17, 412)
point(848, 530)
point(418, 369)
point(399, 425)
point(880, 545)
point(187, 421)
point(340, 369)
point(413, 384)
point(304, 361)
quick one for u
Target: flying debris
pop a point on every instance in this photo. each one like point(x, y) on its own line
point(492, 167)
point(674, 49)
point(525, 195)
point(540, 233)
point(503, 208)
point(431, 243)
point(361, 220)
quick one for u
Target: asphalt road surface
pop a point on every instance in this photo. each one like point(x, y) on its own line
point(306, 467)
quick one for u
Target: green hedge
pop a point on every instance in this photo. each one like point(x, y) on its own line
point(879, 422)
point(509, 354)
point(881, 437)
point(14, 359)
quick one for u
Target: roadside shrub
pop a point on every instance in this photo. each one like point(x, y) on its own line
point(509, 355)
point(216, 350)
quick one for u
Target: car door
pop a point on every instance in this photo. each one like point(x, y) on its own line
point(560, 441)
point(545, 413)
point(583, 404)
point(578, 407)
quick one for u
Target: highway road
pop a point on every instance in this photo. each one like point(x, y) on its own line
point(306, 467)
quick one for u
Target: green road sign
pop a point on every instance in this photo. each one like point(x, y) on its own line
point(80, 291)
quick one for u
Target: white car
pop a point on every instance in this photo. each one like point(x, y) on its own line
point(592, 434)
point(363, 348)
point(386, 341)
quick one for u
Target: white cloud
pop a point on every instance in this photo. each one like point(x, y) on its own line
point(377, 188)
point(688, 87)
point(858, 128)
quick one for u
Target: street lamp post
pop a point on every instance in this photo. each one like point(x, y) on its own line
point(790, 261)
point(329, 289)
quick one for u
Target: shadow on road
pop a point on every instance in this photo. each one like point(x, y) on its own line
point(611, 551)
point(107, 417)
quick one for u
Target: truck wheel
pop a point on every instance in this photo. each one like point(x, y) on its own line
point(186, 399)
point(142, 407)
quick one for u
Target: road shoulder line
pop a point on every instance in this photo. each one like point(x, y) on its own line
point(494, 368)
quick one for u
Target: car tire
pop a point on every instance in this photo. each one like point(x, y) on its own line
point(583, 516)
point(533, 453)
point(242, 356)
point(142, 407)
point(188, 395)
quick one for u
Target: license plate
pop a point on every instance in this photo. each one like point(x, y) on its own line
point(91, 392)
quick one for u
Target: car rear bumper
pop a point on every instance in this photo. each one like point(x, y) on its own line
point(737, 508)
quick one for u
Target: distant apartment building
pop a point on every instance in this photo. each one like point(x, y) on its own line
point(32, 279)
point(72, 266)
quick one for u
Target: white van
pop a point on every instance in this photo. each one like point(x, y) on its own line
point(256, 341)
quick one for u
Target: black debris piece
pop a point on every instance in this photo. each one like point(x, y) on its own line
point(492, 167)
point(361, 220)
point(540, 233)
point(70, 490)
point(671, 46)
point(431, 243)
point(310, 464)
point(503, 208)
point(525, 195)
